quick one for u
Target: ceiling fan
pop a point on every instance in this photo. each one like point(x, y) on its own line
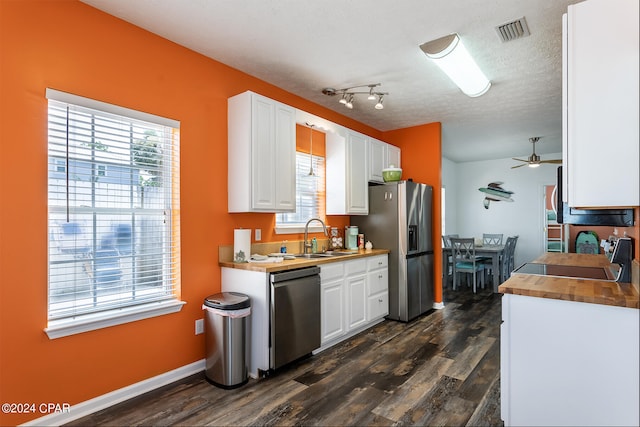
point(534, 160)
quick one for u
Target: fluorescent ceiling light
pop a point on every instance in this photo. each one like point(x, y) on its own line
point(452, 57)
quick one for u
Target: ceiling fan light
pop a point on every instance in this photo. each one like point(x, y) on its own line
point(452, 57)
point(534, 165)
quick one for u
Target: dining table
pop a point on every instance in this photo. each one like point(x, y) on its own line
point(494, 252)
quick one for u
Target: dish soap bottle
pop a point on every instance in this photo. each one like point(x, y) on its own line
point(314, 245)
point(283, 247)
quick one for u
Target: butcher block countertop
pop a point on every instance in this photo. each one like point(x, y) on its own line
point(270, 267)
point(572, 289)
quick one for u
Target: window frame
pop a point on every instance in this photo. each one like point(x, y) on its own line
point(126, 312)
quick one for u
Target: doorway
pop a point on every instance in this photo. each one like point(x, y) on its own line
point(554, 235)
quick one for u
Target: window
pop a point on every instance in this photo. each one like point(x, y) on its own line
point(310, 194)
point(114, 224)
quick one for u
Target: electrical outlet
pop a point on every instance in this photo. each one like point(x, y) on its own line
point(199, 326)
point(258, 234)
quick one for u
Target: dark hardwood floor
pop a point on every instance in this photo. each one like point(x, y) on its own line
point(440, 369)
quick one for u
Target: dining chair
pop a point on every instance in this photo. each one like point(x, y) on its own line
point(492, 239)
point(446, 242)
point(508, 259)
point(465, 261)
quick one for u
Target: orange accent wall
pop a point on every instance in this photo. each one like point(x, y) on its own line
point(72, 47)
point(421, 160)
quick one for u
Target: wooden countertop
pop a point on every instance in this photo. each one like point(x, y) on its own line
point(270, 267)
point(571, 289)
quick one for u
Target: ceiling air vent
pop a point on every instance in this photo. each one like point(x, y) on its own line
point(513, 30)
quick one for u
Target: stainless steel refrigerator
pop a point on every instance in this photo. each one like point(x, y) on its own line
point(400, 220)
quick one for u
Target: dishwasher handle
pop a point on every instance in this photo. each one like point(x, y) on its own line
point(287, 275)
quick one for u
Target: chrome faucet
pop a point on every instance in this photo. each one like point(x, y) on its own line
point(306, 244)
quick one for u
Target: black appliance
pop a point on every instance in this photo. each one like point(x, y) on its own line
point(608, 217)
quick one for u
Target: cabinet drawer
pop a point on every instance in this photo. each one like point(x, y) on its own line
point(331, 271)
point(381, 261)
point(377, 281)
point(358, 266)
point(378, 306)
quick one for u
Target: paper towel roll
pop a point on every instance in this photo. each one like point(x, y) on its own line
point(241, 245)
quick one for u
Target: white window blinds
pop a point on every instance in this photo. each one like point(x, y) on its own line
point(310, 192)
point(113, 203)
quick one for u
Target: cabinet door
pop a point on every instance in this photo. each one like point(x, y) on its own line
point(392, 156)
point(377, 281)
point(285, 159)
point(263, 153)
point(357, 299)
point(357, 184)
point(332, 305)
point(378, 306)
point(377, 152)
point(602, 112)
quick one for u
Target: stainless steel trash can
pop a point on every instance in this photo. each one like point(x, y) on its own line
point(226, 318)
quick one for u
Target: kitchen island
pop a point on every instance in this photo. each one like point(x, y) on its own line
point(569, 348)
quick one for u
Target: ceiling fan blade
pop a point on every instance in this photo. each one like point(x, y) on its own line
point(556, 161)
point(518, 166)
point(520, 160)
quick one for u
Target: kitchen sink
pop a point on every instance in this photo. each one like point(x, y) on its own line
point(328, 254)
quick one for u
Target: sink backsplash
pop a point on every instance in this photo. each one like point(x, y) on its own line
point(225, 252)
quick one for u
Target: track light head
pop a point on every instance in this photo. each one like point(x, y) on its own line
point(349, 103)
point(372, 96)
point(379, 105)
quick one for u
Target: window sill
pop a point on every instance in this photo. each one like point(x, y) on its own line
point(297, 229)
point(91, 322)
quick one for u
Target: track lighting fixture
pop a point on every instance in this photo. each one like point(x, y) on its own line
point(347, 95)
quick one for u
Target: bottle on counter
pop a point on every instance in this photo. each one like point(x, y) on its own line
point(283, 247)
point(314, 245)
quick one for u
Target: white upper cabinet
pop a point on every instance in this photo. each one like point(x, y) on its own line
point(392, 156)
point(600, 117)
point(381, 156)
point(347, 179)
point(261, 154)
point(377, 151)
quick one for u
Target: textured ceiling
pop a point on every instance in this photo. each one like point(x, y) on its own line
point(303, 46)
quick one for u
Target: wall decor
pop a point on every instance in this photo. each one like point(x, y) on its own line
point(494, 192)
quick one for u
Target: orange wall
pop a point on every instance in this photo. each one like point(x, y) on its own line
point(72, 47)
point(421, 161)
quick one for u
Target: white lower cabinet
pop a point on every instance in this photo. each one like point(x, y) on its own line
point(255, 284)
point(377, 287)
point(356, 285)
point(354, 296)
point(568, 363)
point(332, 301)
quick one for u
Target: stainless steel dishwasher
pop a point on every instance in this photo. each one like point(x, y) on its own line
point(295, 314)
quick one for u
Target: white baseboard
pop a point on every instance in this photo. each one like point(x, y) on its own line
point(106, 400)
point(438, 305)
